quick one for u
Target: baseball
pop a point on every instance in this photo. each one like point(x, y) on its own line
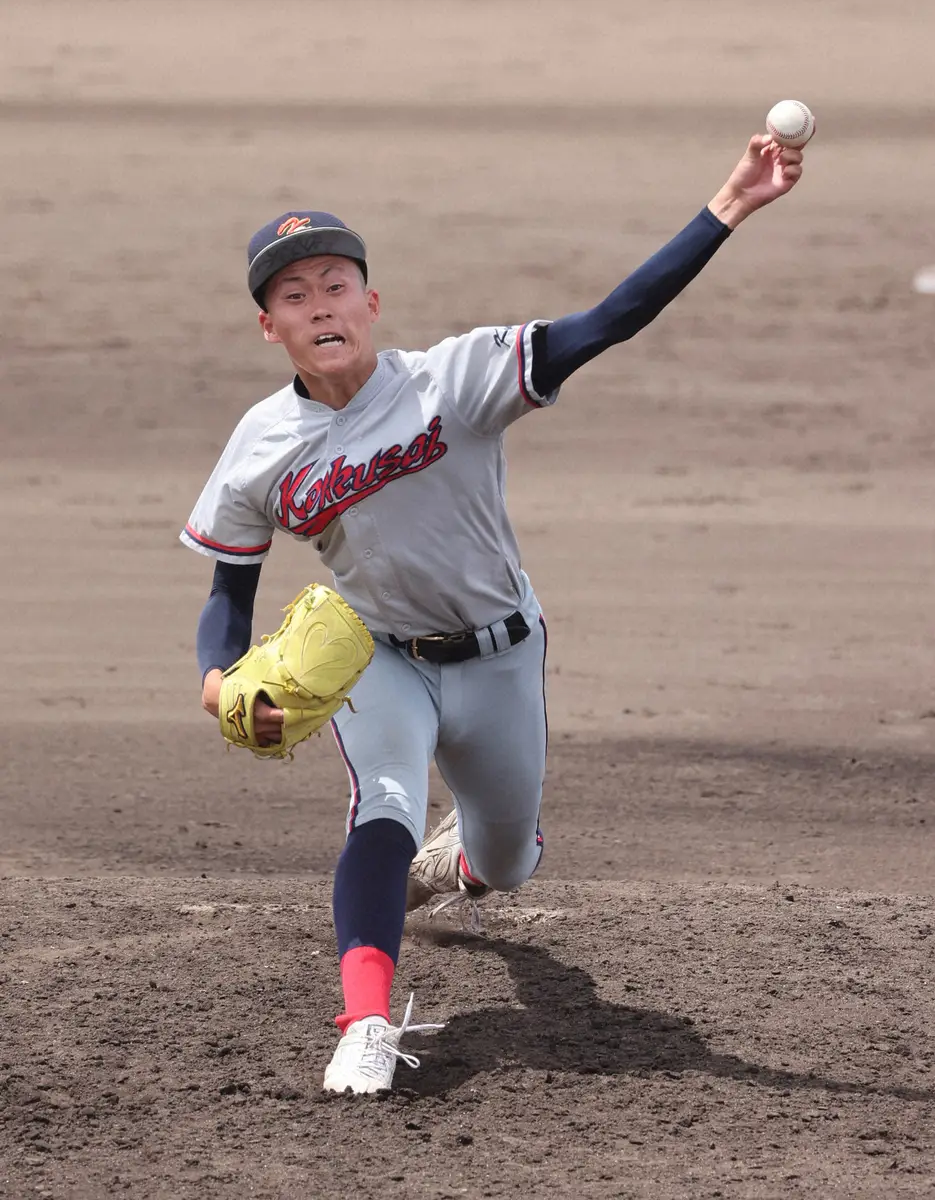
point(790, 123)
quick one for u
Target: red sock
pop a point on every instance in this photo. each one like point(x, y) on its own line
point(366, 976)
point(466, 873)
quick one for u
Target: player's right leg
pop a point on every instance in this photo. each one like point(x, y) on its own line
point(387, 745)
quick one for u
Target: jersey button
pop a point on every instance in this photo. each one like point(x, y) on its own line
point(339, 449)
point(340, 420)
point(352, 512)
point(386, 595)
point(406, 628)
point(368, 554)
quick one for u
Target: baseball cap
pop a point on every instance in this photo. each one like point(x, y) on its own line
point(297, 235)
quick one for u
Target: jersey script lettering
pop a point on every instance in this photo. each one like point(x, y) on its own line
point(307, 508)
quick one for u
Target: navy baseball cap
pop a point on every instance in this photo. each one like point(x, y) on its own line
point(297, 235)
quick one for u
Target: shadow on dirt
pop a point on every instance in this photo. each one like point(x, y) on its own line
point(565, 1026)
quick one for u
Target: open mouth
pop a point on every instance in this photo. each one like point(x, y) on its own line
point(329, 339)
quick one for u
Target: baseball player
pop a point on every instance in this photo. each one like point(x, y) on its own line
point(391, 466)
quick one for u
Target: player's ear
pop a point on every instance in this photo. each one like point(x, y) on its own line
point(267, 326)
point(373, 303)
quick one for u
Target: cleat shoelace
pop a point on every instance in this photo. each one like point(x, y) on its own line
point(468, 911)
point(377, 1048)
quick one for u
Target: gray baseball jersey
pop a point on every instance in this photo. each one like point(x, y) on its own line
point(401, 491)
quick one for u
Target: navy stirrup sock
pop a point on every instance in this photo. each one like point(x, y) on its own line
point(370, 887)
point(369, 911)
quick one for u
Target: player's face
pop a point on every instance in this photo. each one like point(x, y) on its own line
point(321, 311)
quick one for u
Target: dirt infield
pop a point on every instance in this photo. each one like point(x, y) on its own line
point(603, 1039)
point(720, 983)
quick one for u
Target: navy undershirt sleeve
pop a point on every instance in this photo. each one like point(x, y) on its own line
point(560, 348)
point(226, 621)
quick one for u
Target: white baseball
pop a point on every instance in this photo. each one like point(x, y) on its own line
point(790, 123)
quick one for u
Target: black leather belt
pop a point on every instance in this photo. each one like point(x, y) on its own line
point(441, 648)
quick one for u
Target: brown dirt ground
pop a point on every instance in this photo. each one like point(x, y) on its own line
point(721, 982)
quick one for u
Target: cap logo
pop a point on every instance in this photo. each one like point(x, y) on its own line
point(292, 225)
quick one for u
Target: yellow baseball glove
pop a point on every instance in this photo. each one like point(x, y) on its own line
point(306, 668)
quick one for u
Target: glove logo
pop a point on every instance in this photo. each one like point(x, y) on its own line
point(236, 715)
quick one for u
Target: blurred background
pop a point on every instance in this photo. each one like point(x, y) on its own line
point(728, 519)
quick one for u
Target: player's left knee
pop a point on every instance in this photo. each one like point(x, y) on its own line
point(506, 880)
point(506, 872)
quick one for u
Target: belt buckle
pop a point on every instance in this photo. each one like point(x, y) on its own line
point(426, 637)
point(433, 637)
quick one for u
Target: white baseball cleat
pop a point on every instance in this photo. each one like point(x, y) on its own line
point(366, 1057)
point(436, 871)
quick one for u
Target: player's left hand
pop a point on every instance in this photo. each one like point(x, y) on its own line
point(267, 719)
point(766, 172)
point(267, 722)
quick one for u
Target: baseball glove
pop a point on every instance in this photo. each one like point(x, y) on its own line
point(306, 668)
